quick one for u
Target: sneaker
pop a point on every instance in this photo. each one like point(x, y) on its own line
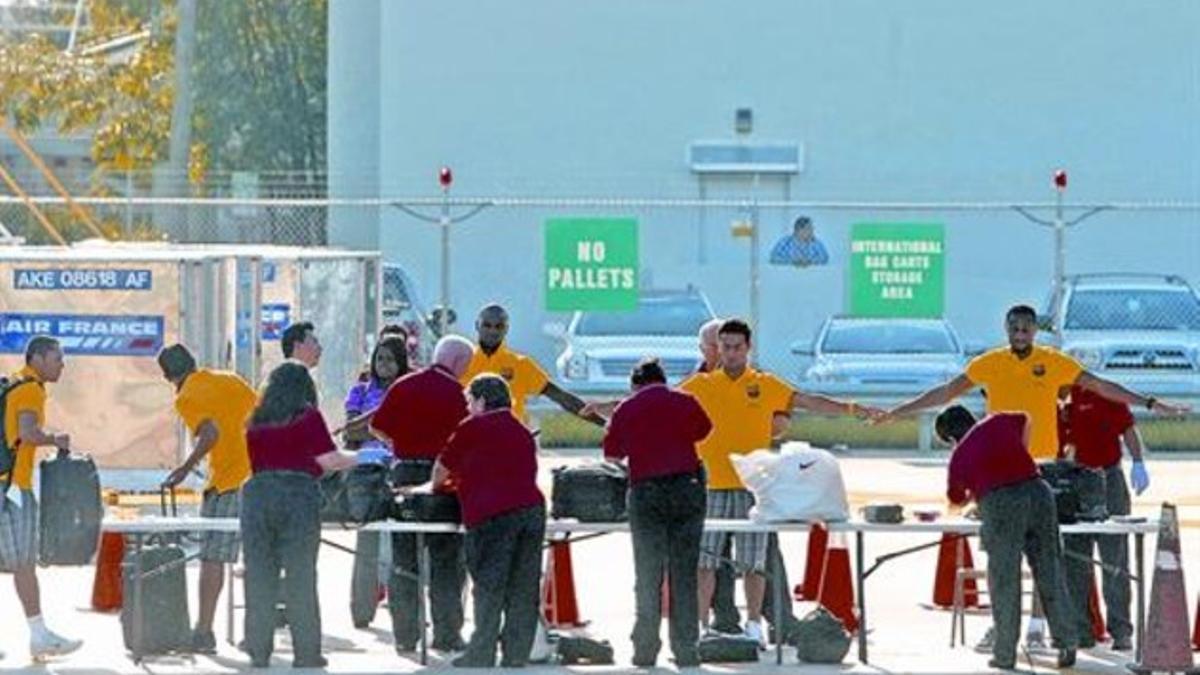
point(1001, 665)
point(465, 661)
point(52, 644)
point(754, 631)
point(318, 662)
point(204, 642)
point(988, 643)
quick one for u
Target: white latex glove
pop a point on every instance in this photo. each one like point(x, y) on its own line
point(1138, 478)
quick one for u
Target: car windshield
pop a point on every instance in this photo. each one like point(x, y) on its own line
point(666, 315)
point(1126, 309)
point(888, 338)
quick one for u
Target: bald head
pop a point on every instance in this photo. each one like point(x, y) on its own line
point(491, 327)
point(453, 353)
point(709, 343)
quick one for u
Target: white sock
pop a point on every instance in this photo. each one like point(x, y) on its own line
point(37, 628)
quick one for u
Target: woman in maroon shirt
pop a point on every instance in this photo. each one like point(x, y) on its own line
point(493, 460)
point(290, 446)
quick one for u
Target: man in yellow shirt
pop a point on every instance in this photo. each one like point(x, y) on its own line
point(1025, 377)
point(742, 403)
point(214, 406)
point(24, 432)
point(524, 376)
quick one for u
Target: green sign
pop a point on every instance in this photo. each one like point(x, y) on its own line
point(591, 264)
point(897, 269)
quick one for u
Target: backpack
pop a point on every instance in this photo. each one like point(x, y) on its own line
point(8, 455)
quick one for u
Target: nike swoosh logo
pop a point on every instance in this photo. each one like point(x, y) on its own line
point(804, 466)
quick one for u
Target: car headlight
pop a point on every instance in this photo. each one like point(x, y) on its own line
point(1090, 357)
point(577, 367)
point(823, 373)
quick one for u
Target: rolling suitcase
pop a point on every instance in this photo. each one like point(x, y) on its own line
point(69, 511)
point(164, 618)
point(592, 492)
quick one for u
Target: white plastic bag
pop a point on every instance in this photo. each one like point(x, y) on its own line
point(799, 482)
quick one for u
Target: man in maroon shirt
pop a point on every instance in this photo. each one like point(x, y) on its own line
point(417, 416)
point(657, 429)
point(492, 458)
point(1093, 427)
point(991, 465)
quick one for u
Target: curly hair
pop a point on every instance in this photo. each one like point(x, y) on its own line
point(398, 346)
point(289, 392)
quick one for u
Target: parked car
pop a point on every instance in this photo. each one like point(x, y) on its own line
point(600, 348)
point(885, 357)
point(1141, 330)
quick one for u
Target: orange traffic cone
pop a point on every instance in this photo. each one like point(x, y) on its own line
point(1166, 642)
point(106, 589)
point(836, 592)
point(818, 539)
point(1099, 630)
point(558, 588)
point(948, 563)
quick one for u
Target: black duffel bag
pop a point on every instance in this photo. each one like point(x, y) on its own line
point(573, 650)
point(1080, 492)
point(593, 492)
point(728, 649)
point(407, 472)
point(821, 638)
point(428, 507)
point(358, 495)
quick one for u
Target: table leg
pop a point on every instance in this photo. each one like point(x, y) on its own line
point(862, 597)
point(777, 609)
point(422, 580)
point(137, 613)
point(1140, 555)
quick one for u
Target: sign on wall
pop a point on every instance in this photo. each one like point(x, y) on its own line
point(591, 264)
point(67, 279)
point(90, 334)
point(897, 270)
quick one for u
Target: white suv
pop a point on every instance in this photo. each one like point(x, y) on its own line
point(1142, 330)
point(600, 348)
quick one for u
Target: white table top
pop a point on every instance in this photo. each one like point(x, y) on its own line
point(159, 524)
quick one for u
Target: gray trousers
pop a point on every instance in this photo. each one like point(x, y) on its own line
point(666, 519)
point(1022, 518)
point(1114, 551)
point(726, 617)
point(504, 557)
point(281, 532)
point(447, 576)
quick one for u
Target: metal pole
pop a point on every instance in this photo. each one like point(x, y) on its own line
point(1060, 252)
point(444, 223)
point(754, 273)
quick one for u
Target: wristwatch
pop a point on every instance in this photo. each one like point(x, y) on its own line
point(1150, 401)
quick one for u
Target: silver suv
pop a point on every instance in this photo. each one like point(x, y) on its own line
point(1142, 330)
point(599, 349)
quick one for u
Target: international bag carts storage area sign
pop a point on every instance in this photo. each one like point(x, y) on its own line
point(897, 270)
point(591, 264)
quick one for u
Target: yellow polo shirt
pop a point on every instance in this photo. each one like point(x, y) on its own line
point(1028, 385)
point(28, 398)
point(741, 410)
point(524, 376)
point(228, 401)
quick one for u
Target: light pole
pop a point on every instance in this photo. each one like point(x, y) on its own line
point(444, 220)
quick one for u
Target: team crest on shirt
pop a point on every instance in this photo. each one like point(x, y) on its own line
point(1039, 370)
point(753, 391)
point(507, 374)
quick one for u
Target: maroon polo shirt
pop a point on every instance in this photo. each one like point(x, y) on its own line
point(293, 446)
point(1094, 425)
point(493, 460)
point(420, 411)
point(657, 429)
point(992, 455)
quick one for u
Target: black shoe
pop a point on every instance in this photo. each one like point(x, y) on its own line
point(204, 642)
point(644, 660)
point(319, 662)
point(451, 644)
point(465, 661)
point(1066, 657)
point(403, 648)
point(1001, 665)
point(505, 663)
point(691, 660)
point(1122, 644)
point(260, 663)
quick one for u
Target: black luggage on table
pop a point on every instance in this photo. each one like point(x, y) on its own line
point(592, 492)
point(428, 507)
point(166, 624)
point(406, 472)
point(69, 511)
point(357, 495)
point(1080, 492)
point(728, 649)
